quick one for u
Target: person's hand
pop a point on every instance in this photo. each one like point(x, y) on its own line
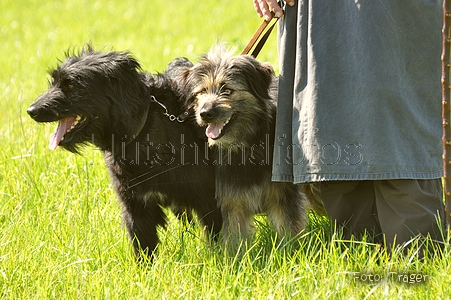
point(264, 8)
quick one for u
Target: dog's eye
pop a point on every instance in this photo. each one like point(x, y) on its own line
point(226, 92)
point(202, 92)
point(67, 84)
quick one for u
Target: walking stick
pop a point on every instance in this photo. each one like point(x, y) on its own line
point(446, 87)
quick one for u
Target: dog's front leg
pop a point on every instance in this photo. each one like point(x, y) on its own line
point(142, 219)
point(286, 208)
point(210, 217)
point(238, 223)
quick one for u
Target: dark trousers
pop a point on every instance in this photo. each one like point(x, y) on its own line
point(397, 210)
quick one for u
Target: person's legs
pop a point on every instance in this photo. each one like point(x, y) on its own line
point(407, 208)
point(400, 208)
point(351, 205)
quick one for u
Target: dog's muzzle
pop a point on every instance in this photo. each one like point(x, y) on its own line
point(39, 114)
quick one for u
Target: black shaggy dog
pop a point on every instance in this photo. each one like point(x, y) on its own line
point(153, 158)
point(233, 99)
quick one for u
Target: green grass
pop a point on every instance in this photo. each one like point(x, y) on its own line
point(61, 230)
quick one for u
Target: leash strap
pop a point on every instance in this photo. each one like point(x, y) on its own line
point(259, 40)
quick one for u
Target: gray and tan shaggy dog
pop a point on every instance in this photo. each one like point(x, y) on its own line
point(233, 99)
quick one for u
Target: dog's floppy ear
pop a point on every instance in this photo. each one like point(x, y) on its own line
point(126, 91)
point(266, 71)
point(258, 75)
point(186, 79)
point(177, 66)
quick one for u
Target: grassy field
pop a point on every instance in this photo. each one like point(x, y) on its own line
point(61, 230)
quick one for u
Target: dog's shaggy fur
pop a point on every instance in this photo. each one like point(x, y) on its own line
point(105, 99)
point(231, 99)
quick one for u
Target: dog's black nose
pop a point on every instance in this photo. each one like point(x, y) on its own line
point(33, 111)
point(206, 114)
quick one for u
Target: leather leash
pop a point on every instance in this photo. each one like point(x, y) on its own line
point(259, 40)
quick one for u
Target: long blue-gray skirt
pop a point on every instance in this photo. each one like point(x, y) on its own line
point(359, 91)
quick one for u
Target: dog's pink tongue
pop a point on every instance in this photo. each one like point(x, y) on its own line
point(214, 130)
point(63, 126)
